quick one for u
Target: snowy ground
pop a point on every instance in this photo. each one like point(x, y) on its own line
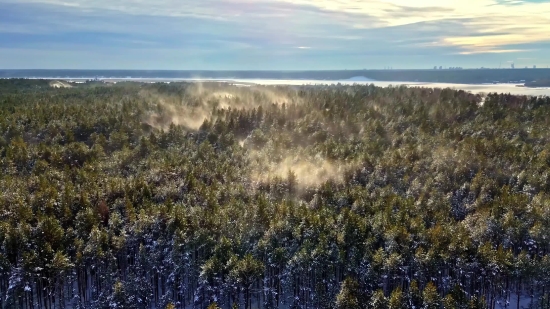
point(524, 302)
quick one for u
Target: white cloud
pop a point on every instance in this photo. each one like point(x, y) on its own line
point(494, 51)
point(488, 23)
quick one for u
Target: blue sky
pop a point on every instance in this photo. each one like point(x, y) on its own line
point(272, 34)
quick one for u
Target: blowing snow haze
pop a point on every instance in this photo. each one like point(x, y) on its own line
point(273, 34)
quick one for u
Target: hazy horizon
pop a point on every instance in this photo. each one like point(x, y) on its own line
point(137, 69)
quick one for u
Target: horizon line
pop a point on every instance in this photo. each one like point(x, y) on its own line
point(260, 70)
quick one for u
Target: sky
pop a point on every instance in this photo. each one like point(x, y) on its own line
point(273, 34)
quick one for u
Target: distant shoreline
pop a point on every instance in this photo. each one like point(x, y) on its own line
point(259, 81)
point(538, 84)
point(482, 88)
point(464, 76)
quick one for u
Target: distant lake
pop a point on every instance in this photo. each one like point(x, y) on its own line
point(474, 88)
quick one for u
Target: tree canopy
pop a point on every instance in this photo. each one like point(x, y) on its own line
point(182, 195)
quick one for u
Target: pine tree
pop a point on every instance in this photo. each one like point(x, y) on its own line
point(430, 297)
point(415, 295)
point(449, 302)
point(213, 306)
point(397, 300)
point(118, 299)
point(245, 272)
point(172, 306)
point(378, 300)
point(348, 296)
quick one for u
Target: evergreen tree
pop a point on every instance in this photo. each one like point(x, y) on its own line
point(378, 300)
point(397, 300)
point(430, 297)
point(348, 297)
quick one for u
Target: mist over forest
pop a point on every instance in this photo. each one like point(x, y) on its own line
point(212, 195)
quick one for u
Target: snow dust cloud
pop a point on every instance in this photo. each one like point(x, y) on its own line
point(200, 100)
point(310, 171)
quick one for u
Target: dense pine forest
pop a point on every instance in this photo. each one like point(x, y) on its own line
point(185, 195)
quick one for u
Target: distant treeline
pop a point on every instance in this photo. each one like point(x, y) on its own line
point(470, 76)
point(538, 83)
